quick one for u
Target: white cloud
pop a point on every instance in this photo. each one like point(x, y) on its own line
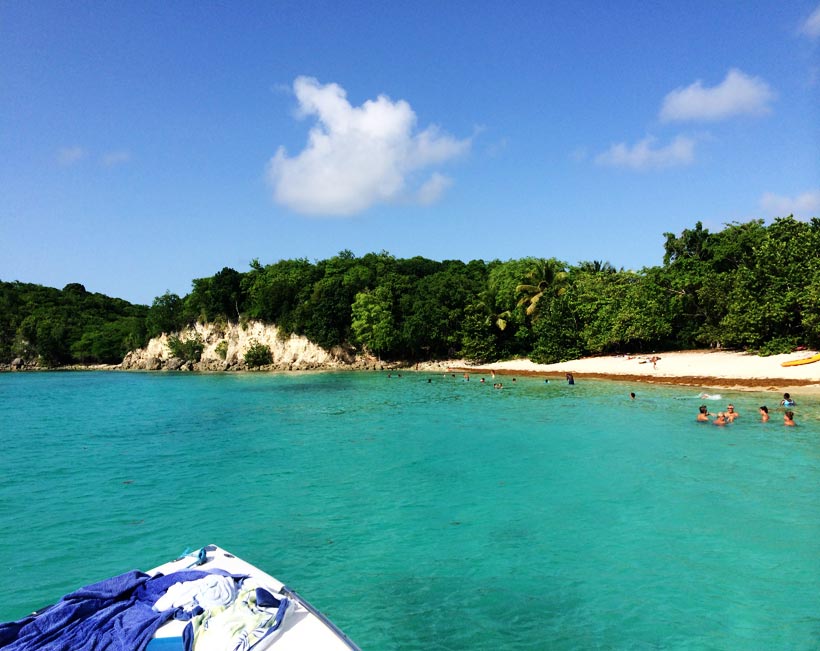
point(737, 94)
point(643, 155)
point(70, 155)
point(358, 156)
point(433, 188)
point(811, 26)
point(112, 158)
point(803, 206)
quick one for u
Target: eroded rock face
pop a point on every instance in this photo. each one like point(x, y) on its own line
point(174, 364)
point(224, 349)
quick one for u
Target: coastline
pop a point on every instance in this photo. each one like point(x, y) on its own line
point(705, 368)
point(718, 369)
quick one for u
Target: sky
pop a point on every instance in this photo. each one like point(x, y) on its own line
point(146, 144)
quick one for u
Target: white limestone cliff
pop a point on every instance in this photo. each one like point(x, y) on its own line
point(289, 352)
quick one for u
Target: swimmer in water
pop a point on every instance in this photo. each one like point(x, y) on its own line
point(788, 419)
point(703, 414)
point(764, 414)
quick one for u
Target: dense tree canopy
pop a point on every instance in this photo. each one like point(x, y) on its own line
point(71, 325)
point(750, 286)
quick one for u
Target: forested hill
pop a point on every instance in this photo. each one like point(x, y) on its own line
point(53, 326)
point(751, 286)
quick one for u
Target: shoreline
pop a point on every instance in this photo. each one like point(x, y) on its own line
point(701, 368)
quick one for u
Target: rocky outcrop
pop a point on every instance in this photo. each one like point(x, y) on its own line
point(224, 349)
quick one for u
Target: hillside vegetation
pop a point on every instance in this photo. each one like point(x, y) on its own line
point(750, 286)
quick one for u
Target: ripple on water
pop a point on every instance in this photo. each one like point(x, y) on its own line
point(443, 515)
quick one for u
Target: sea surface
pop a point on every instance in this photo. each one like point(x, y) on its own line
point(426, 512)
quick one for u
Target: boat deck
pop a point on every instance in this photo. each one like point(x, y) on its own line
point(303, 627)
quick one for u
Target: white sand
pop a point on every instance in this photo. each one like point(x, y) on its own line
point(706, 368)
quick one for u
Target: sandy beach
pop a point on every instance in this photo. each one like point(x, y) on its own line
point(706, 368)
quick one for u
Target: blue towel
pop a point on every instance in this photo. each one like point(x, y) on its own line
point(115, 613)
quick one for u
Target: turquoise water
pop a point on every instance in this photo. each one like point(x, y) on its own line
point(443, 515)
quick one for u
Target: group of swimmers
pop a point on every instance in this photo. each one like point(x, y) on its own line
point(729, 416)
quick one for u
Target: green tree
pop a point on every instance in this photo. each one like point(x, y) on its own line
point(768, 291)
point(478, 335)
point(547, 277)
point(556, 334)
point(218, 296)
point(373, 326)
point(166, 315)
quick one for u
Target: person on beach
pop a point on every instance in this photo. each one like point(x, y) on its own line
point(703, 414)
point(764, 414)
point(731, 414)
point(570, 379)
point(787, 401)
point(788, 418)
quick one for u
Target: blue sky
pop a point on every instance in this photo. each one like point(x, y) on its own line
point(146, 144)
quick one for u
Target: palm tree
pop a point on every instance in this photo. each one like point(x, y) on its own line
point(488, 300)
point(547, 277)
point(596, 267)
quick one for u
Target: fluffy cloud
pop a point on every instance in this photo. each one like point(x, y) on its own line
point(804, 205)
point(358, 156)
point(811, 26)
point(70, 155)
point(644, 155)
point(737, 94)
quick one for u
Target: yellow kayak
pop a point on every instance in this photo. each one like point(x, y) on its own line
point(806, 360)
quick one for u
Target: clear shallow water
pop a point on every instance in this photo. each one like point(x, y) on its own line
point(442, 515)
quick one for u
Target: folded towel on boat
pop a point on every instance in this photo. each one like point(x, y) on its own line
point(208, 592)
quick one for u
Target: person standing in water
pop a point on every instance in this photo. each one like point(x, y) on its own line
point(703, 414)
point(764, 414)
point(570, 379)
point(788, 419)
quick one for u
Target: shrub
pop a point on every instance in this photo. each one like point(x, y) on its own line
point(189, 350)
point(222, 349)
point(258, 354)
point(778, 346)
